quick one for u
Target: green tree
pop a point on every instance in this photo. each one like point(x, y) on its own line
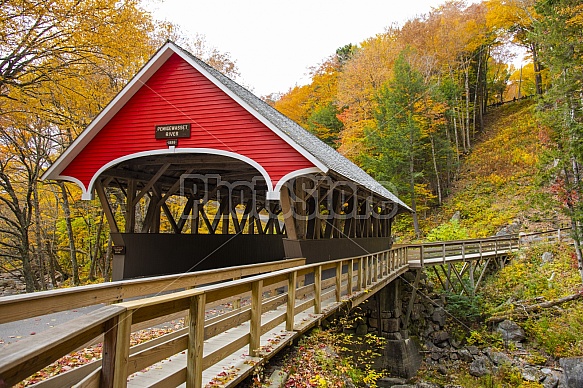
point(396, 142)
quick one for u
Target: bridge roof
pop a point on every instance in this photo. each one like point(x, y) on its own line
point(309, 153)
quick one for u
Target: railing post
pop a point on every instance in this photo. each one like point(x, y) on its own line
point(350, 276)
point(318, 290)
point(366, 271)
point(463, 251)
point(559, 234)
point(421, 254)
point(359, 275)
point(255, 324)
point(338, 281)
point(443, 253)
point(122, 349)
point(195, 341)
point(108, 353)
point(480, 249)
point(375, 267)
point(291, 300)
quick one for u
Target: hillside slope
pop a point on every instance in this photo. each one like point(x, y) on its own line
point(496, 187)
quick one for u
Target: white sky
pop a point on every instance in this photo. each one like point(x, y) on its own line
point(274, 42)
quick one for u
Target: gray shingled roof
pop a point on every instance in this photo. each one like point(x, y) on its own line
point(316, 147)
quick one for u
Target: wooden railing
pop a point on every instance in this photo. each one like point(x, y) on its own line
point(437, 253)
point(17, 307)
point(462, 250)
point(114, 323)
point(269, 286)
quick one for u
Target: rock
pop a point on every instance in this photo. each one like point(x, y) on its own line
point(456, 216)
point(547, 257)
point(531, 374)
point(473, 350)
point(361, 330)
point(440, 336)
point(511, 331)
point(373, 322)
point(550, 381)
point(427, 331)
point(439, 316)
point(465, 355)
point(390, 382)
point(455, 343)
point(479, 367)
point(499, 358)
point(442, 369)
point(573, 368)
point(425, 384)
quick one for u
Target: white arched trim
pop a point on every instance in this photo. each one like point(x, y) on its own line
point(294, 174)
point(87, 192)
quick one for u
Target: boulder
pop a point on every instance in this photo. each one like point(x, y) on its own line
point(531, 374)
point(511, 331)
point(499, 358)
point(547, 257)
point(390, 382)
point(465, 355)
point(439, 315)
point(573, 369)
point(479, 367)
point(550, 381)
point(440, 336)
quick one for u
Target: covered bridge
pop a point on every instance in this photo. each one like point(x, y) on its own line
point(195, 172)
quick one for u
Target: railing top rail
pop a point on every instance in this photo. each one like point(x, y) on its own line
point(81, 296)
point(506, 237)
point(234, 284)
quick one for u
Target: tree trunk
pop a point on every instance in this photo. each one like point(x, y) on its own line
point(412, 179)
point(39, 241)
point(467, 134)
point(538, 78)
point(72, 248)
point(96, 248)
point(438, 183)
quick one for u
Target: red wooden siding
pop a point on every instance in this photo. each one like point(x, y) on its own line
point(177, 93)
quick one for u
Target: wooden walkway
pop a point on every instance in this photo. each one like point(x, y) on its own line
point(271, 305)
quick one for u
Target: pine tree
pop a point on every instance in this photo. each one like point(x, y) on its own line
point(396, 142)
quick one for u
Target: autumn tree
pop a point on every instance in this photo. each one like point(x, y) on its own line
point(60, 63)
point(517, 19)
point(314, 106)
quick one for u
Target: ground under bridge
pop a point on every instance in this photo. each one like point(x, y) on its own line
point(236, 318)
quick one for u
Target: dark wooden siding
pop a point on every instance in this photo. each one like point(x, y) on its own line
point(178, 93)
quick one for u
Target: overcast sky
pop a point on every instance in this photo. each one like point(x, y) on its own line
point(274, 42)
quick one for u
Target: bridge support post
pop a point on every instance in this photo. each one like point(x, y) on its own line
point(412, 300)
point(400, 355)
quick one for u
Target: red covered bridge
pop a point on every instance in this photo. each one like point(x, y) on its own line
point(251, 184)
